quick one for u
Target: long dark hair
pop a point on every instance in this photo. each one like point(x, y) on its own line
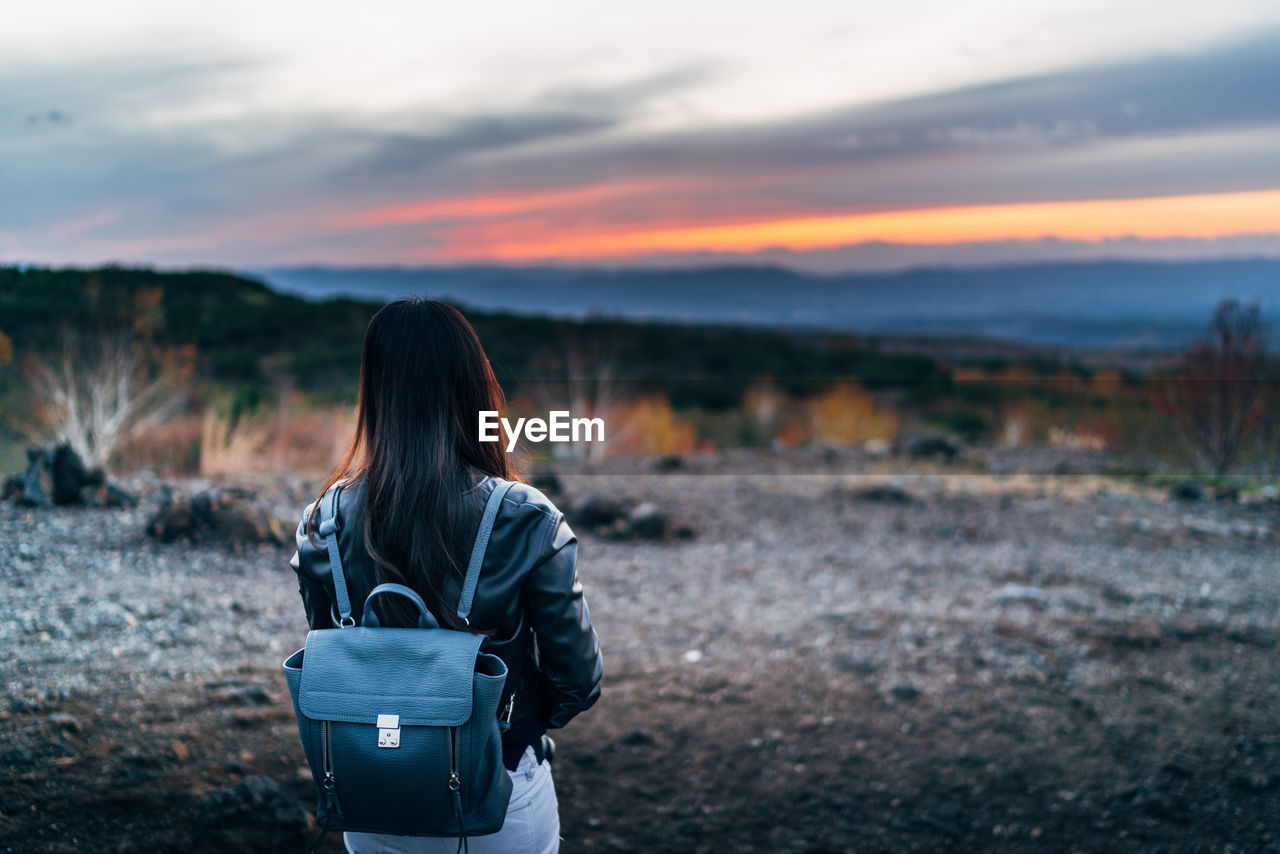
point(423, 380)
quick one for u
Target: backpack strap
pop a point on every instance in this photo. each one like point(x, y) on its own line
point(482, 542)
point(329, 530)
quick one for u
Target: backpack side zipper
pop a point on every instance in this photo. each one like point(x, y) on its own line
point(329, 782)
point(455, 779)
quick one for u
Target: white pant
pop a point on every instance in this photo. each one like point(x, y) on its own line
point(532, 825)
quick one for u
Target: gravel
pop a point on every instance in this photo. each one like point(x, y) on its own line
point(796, 563)
point(942, 642)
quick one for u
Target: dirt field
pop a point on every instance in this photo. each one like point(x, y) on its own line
point(972, 663)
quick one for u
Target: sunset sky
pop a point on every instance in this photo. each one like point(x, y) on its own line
point(831, 135)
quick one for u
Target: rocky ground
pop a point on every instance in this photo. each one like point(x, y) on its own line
point(835, 662)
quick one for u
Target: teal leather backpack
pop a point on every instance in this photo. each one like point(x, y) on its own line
point(400, 725)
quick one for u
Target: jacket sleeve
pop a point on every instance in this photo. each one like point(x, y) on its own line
point(315, 598)
point(568, 649)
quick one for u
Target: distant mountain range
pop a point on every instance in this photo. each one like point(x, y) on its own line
point(1105, 304)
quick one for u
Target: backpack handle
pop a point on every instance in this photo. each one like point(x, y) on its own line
point(425, 618)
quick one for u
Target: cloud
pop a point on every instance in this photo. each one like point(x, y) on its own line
point(463, 136)
point(51, 117)
point(1233, 86)
point(629, 96)
point(577, 114)
point(177, 149)
point(121, 91)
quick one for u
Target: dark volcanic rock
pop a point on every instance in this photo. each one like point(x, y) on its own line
point(618, 529)
point(12, 488)
point(940, 448)
point(905, 691)
point(854, 664)
point(57, 475)
point(237, 515)
point(671, 462)
point(175, 516)
point(645, 521)
point(883, 493)
point(107, 494)
point(596, 509)
point(225, 514)
point(637, 738)
point(548, 482)
point(622, 519)
point(241, 693)
point(648, 522)
point(258, 801)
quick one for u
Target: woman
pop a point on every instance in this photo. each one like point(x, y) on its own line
point(416, 480)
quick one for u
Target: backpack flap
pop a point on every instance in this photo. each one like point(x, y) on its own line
point(355, 674)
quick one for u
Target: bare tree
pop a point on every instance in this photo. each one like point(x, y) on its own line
point(579, 373)
point(1216, 397)
point(97, 389)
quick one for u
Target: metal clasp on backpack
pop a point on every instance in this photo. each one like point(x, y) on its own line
point(388, 730)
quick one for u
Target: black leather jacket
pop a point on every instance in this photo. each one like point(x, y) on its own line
point(554, 665)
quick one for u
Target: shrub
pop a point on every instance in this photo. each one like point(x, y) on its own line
point(847, 414)
point(1216, 398)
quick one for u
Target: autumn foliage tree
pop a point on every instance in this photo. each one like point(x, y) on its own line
point(847, 414)
point(1217, 394)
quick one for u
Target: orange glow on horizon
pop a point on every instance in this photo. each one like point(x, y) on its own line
point(498, 204)
point(1205, 216)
